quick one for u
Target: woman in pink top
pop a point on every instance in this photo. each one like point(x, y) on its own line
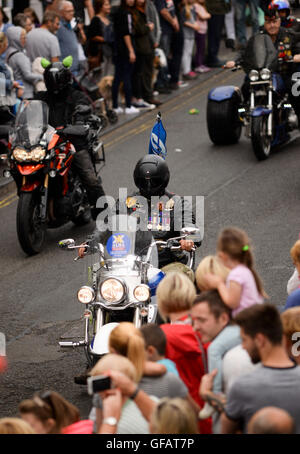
point(243, 287)
point(200, 36)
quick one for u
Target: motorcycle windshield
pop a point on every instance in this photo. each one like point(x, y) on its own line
point(30, 124)
point(260, 53)
point(125, 245)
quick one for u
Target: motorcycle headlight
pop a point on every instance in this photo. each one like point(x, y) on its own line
point(253, 75)
point(112, 290)
point(142, 293)
point(37, 154)
point(85, 295)
point(20, 154)
point(265, 74)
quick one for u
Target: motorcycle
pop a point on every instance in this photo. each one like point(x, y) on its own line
point(123, 277)
point(266, 114)
point(40, 158)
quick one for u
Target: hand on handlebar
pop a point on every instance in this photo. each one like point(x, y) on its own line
point(230, 64)
point(186, 245)
point(82, 250)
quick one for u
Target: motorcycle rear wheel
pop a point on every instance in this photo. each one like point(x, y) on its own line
point(261, 142)
point(31, 232)
point(223, 124)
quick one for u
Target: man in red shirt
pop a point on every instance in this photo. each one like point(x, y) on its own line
point(175, 296)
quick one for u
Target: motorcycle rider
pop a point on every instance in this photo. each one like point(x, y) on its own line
point(284, 10)
point(287, 46)
point(65, 107)
point(151, 176)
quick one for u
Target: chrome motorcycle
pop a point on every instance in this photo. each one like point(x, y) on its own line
point(123, 277)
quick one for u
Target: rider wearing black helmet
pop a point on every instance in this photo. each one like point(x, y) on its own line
point(64, 103)
point(159, 210)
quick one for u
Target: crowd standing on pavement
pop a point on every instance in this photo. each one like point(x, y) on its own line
point(225, 359)
point(147, 47)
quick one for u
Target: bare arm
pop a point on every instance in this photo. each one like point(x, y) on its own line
point(172, 20)
point(229, 426)
point(90, 9)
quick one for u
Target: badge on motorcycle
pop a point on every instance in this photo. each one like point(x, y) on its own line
point(170, 205)
point(131, 202)
point(118, 245)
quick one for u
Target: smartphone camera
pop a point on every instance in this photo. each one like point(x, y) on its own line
point(98, 383)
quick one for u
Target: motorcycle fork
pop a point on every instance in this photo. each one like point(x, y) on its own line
point(137, 318)
point(270, 106)
point(44, 198)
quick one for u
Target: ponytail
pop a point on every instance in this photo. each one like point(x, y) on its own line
point(127, 340)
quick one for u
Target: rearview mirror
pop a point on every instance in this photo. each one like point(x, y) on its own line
point(191, 233)
point(65, 244)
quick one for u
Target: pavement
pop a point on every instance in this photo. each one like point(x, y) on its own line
point(7, 185)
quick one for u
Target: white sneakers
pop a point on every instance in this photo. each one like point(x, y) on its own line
point(119, 110)
point(127, 110)
point(131, 110)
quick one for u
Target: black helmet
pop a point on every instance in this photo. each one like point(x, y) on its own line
point(151, 175)
point(57, 77)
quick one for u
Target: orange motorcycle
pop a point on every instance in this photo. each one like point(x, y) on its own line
point(40, 158)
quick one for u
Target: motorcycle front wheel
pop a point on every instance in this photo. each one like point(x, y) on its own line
point(31, 232)
point(261, 142)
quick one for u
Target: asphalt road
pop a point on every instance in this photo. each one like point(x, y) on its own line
point(38, 294)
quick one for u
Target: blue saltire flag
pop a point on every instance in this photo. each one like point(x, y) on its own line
point(158, 138)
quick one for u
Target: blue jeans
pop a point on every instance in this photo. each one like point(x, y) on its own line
point(240, 15)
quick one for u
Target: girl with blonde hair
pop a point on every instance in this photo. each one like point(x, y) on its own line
point(175, 294)
point(126, 340)
point(210, 264)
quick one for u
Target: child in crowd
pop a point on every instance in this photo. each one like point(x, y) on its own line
point(294, 281)
point(243, 287)
point(188, 18)
point(155, 343)
point(210, 264)
point(202, 16)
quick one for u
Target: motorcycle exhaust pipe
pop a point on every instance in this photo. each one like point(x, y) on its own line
point(70, 344)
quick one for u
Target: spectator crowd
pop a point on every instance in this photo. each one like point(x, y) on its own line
point(224, 360)
point(146, 47)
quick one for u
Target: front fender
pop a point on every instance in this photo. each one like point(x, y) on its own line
point(99, 345)
point(224, 92)
point(260, 111)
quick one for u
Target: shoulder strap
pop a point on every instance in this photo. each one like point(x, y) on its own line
point(13, 53)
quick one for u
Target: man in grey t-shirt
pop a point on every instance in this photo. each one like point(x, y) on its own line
point(276, 382)
point(42, 42)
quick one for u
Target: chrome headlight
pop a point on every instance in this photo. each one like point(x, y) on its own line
point(265, 74)
point(37, 154)
point(85, 295)
point(20, 154)
point(253, 75)
point(142, 293)
point(112, 290)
